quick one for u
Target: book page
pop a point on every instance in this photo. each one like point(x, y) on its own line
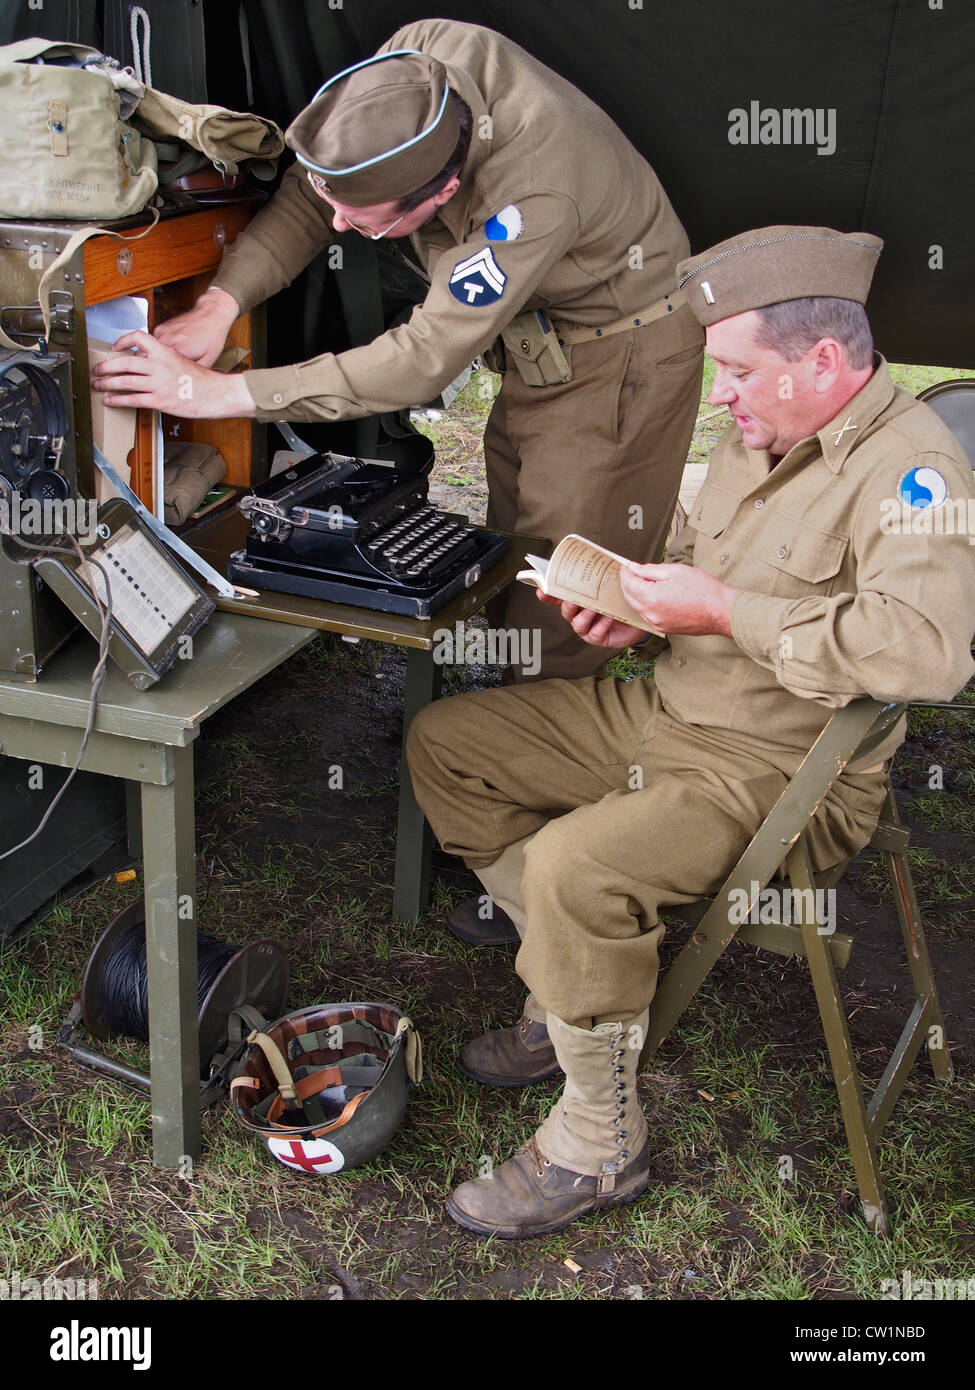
point(537, 574)
point(587, 574)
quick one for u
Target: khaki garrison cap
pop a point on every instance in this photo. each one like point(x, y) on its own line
point(778, 263)
point(379, 130)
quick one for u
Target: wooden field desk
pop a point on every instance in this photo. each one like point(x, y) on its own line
point(147, 739)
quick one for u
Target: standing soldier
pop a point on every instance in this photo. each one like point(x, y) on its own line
point(536, 219)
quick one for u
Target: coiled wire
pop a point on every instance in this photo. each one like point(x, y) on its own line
point(124, 984)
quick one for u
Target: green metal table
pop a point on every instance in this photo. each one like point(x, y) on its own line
point(147, 739)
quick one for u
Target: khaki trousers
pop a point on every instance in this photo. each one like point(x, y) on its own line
point(601, 456)
point(633, 810)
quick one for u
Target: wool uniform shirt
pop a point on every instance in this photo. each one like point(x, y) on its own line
point(588, 234)
point(845, 589)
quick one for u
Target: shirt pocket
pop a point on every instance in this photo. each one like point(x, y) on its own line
point(713, 510)
point(800, 556)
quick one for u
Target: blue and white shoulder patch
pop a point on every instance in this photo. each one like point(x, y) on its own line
point(506, 225)
point(478, 279)
point(923, 487)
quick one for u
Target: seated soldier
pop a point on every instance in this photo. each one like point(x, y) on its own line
point(586, 806)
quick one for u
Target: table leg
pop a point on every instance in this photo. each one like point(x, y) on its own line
point(169, 862)
point(411, 885)
point(133, 811)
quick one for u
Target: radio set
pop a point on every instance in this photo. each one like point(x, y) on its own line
point(357, 531)
point(37, 465)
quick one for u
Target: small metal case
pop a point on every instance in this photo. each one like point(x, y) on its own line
point(156, 607)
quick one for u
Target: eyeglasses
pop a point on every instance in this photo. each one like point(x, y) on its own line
point(322, 189)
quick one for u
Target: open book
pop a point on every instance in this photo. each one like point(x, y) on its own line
point(582, 572)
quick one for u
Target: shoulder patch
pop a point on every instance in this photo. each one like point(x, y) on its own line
point(478, 279)
point(923, 487)
point(506, 225)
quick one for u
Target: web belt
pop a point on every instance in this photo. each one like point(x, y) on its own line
point(640, 319)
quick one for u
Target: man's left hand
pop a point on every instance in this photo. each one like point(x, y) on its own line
point(679, 598)
point(157, 378)
point(595, 628)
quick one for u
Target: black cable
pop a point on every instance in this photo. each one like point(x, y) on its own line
point(124, 983)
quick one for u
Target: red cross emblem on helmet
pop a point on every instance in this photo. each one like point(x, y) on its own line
point(310, 1155)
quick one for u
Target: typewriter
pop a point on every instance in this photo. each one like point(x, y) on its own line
point(359, 531)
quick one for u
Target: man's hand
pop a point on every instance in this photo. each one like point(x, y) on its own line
point(155, 377)
point(200, 333)
point(672, 598)
point(596, 628)
point(679, 599)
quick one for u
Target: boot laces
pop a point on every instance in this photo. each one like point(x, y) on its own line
point(617, 1052)
point(532, 1150)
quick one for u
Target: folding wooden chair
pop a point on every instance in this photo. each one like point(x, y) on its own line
point(782, 842)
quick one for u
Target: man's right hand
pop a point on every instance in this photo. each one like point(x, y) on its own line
point(200, 333)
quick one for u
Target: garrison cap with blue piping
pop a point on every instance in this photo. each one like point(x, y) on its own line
point(773, 264)
point(378, 130)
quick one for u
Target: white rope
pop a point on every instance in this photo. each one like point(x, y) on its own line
point(140, 57)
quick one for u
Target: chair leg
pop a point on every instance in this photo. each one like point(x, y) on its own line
point(686, 974)
point(916, 948)
point(848, 1089)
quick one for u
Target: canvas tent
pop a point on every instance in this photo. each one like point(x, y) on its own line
point(888, 82)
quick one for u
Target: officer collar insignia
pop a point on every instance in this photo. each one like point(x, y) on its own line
point(478, 279)
point(923, 487)
point(840, 432)
point(506, 225)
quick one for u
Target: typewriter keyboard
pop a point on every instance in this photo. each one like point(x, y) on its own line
point(420, 546)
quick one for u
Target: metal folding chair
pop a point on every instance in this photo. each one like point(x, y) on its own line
point(954, 402)
point(782, 843)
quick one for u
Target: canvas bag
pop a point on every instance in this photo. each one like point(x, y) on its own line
point(227, 138)
point(66, 152)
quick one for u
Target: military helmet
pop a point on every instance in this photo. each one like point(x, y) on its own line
point(327, 1086)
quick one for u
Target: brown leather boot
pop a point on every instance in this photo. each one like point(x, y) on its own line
point(467, 923)
point(518, 1056)
point(531, 1196)
point(591, 1151)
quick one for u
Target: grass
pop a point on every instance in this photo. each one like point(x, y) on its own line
point(77, 1191)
